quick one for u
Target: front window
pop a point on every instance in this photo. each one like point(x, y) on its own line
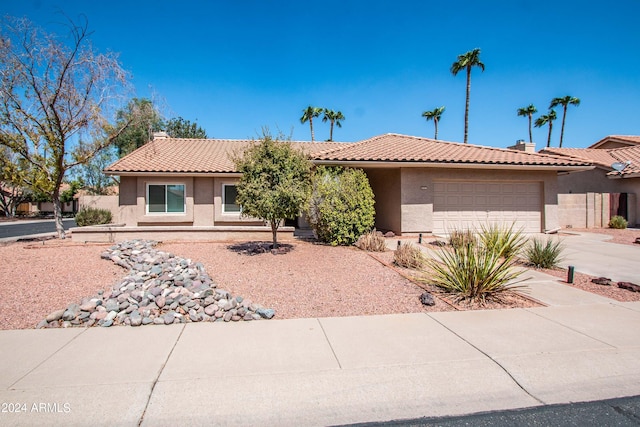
point(229, 194)
point(165, 198)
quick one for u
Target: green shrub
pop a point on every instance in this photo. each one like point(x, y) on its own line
point(341, 205)
point(92, 216)
point(408, 255)
point(460, 238)
point(502, 239)
point(473, 272)
point(372, 241)
point(618, 222)
point(544, 254)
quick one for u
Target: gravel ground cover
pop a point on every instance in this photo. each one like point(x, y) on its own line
point(306, 280)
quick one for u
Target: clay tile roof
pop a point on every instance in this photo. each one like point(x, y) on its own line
point(175, 155)
point(604, 157)
point(621, 139)
point(596, 156)
point(403, 148)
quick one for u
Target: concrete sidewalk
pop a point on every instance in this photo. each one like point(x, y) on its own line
point(325, 371)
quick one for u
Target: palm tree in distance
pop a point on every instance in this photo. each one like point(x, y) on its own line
point(466, 61)
point(308, 114)
point(334, 117)
point(528, 112)
point(565, 101)
point(547, 119)
point(434, 115)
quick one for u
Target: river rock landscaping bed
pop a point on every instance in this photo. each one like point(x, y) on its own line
point(160, 288)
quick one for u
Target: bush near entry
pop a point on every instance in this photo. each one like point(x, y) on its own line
point(341, 205)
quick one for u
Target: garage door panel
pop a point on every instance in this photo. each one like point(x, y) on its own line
point(470, 205)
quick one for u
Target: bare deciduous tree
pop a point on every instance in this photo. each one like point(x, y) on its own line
point(55, 93)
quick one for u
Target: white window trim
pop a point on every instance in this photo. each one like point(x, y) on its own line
point(224, 204)
point(146, 202)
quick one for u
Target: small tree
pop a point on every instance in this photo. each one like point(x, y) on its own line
point(341, 206)
point(275, 182)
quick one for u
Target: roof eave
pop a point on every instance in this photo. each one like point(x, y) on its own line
point(395, 164)
point(166, 173)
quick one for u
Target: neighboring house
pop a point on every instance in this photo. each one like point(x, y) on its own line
point(420, 185)
point(620, 151)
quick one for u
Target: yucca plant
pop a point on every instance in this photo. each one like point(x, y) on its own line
point(505, 240)
point(474, 272)
point(460, 238)
point(544, 254)
point(618, 222)
point(372, 241)
point(408, 255)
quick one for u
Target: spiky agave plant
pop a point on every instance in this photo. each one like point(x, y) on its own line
point(503, 239)
point(473, 272)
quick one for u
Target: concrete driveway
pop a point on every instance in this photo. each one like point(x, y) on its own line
point(593, 254)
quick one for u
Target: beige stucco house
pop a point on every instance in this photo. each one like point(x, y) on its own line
point(421, 185)
point(621, 184)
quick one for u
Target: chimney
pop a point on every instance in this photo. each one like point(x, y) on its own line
point(160, 135)
point(527, 147)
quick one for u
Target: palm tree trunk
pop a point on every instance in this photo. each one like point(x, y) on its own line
point(435, 121)
point(549, 137)
point(466, 107)
point(564, 116)
point(311, 126)
point(530, 135)
point(331, 132)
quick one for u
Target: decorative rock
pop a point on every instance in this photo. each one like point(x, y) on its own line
point(266, 313)
point(629, 286)
point(56, 315)
point(159, 288)
point(602, 281)
point(427, 299)
point(169, 318)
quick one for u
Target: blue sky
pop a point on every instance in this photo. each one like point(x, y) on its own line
point(236, 66)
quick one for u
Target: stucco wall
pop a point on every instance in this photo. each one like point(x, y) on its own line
point(225, 218)
point(583, 210)
point(109, 203)
point(385, 184)
point(417, 193)
point(596, 181)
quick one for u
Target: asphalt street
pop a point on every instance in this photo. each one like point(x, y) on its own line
point(613, 412)
point(29, 228)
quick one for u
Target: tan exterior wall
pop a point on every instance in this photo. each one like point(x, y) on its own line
point(385, 184)
point(109, 203)
point(177, 233)
point(417, 193)
point(203, 197)
point(203, 202)
point(128, 201)
point(596, 181)
point(226, 218)
point(67, 207)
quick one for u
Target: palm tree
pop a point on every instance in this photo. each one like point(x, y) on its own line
point(465, 62)
point(528, 112)
point(434, 115)
point(565, 101)
point(334, 117)
point(308, 114)
point(543, 120)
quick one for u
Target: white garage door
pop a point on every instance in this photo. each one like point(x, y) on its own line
point(468, 205)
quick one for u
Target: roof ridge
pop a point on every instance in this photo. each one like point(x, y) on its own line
point(485, 147)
